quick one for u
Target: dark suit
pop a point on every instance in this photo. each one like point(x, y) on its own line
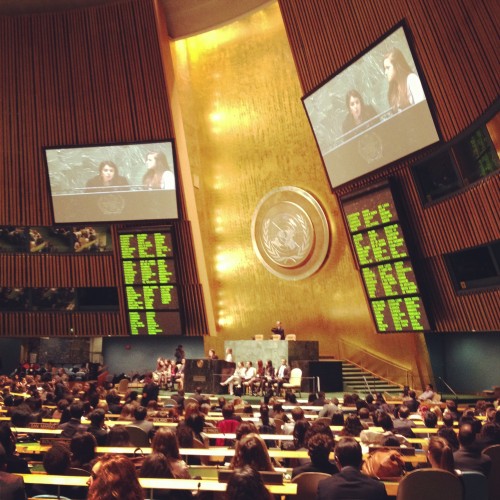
point(472, 460)
point(71, 427)
point(326, 468)
point(11, 487)
point(351, 484)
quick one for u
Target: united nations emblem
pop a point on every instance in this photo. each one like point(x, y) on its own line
point(290, 233)
point(111, 203)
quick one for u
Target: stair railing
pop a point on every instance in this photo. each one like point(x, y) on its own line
point(374, 364)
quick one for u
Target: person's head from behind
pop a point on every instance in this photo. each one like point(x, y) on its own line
point(246, 484)
point(348, 453)
point(76, 411)
point(83, 446)
point(297, 413)
point(156, 465)
point(118, 436)
point(196, 422)
point(7, 438)
point(430, 419)
point(299, 432)
point(354, 104)
point(228, 411)
point(319, 448)
point(448, 420)
point(384, 420)
point(466, 435)
point(449, 434)
point(165, 441)
point(114, 477)
point(97, 418)
point(57, 460)
point(403, 412)
point(108, 170)
point(140, 413)
point(252, 451)
point(352, 426)
point(440, 454)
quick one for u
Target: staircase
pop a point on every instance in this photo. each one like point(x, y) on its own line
point(353, 380)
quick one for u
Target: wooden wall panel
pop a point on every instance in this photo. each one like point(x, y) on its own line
point(87, 76)
point(456, 44)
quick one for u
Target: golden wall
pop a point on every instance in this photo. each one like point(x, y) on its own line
point(246, 134)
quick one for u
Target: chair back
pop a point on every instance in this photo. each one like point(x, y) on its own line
point(123, 386)
point(276, 336)
point(475, 485)
point(295, 377)
point(307, 484)
point(76, 471)
point(494, 477)
point(430, 484)
point(290, 336)
point(138, 437)
point(258, 337)
point(169, 402)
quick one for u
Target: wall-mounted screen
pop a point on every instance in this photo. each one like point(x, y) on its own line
point(150, 282)
point(383, 257)
point(372, 112)
point(110, 183)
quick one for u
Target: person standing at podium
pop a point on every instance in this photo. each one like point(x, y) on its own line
point(279, 330)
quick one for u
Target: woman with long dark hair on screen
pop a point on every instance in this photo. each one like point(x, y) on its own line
point(405, 87)
point(109, 176)
point(358, 111)
point(159, 174)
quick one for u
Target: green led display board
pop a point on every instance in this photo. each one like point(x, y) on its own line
point(149, 278)
point(386, 269)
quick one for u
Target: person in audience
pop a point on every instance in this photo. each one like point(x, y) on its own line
point(150, 391)
point(196, 422)
point(440, 454)
point(251, 450)
point(11, 485)
point(450, 436)
point(365, 418)
point(329, 408)
point(451, 409)
point(337, 418)
point(179, 398)
point(383, 420)
point(430, 419)
point(469, 457)
point(402, 424)
point(352, 426)
point(246, 484)
point(413, 402)
point(74, 424)
point(156, 465)
point(297, 414)
point(350, 482)
point(319, 448)
point(98, 427)
point(140, 414)
point(228, 424)
point(489, 435)
point(165, 441)
point(427, 394)
point(448, 420)
point(114, 477)
point(109, 176)
point(266, 424)
point(118, 436)
point(13, 462)
point(83, 450)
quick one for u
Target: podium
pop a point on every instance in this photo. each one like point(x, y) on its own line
point(206, 373)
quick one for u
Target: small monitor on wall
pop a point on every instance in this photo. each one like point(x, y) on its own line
point(372, 112)
point(111, 183)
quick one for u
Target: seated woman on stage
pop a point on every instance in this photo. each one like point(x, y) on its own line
point(236, 378)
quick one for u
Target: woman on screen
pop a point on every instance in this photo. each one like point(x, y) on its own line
point(109, 176)
point(358, 111)
point(159, 175)
point(405, 87)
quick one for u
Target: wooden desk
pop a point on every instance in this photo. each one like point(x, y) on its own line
point(29, 430)
point(155, 484)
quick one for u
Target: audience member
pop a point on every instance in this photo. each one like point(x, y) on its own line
point(440, 454)
point(350, 482)
point(319, 448)
point(11, 485)
point(165, 441)
point(246, 484)
point(469, 456)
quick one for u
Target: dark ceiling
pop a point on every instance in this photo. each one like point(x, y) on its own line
point(184, 17)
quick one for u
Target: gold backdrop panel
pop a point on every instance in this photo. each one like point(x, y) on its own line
point(247, 134)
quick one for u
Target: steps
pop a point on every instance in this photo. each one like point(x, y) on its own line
point(353, 380)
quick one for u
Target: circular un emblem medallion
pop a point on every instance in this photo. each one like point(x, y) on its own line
point(290, 233)
point(111, 203)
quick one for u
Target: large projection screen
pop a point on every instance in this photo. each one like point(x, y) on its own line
point(111, 183)
point(372, 112)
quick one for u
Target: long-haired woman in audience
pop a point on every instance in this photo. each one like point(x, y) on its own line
point(114, 477)
point(251, 450)
point(165, 441)
point(156, 465)
point(440, 454)
point(118, 436)
point(352, 426)
point(246, 484)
